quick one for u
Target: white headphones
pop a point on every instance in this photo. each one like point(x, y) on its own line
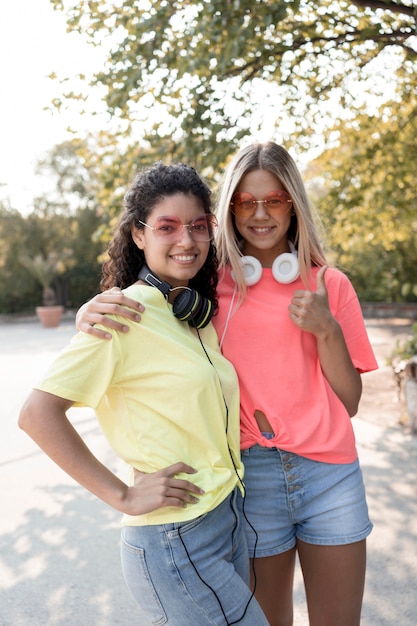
point(285, 268)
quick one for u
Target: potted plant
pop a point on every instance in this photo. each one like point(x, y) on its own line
point(45, 269)
point(403, 360)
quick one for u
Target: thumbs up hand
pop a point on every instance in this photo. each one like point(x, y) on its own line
point(309, 310)
point(321, 288)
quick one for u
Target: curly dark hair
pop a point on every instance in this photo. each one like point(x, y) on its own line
point(148, 188)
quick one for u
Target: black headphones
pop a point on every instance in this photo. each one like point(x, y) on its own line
point(189, 306)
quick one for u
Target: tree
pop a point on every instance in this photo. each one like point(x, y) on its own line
point(201, 71)
point(46, 269)
point(81, 198)
point(189, 80)
point(367, 201)
point(58, 234)
point(13, 277)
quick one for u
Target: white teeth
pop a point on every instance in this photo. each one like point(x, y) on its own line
point(261, 230)
point(184, 257)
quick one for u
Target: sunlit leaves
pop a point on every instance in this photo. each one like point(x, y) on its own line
point(187, 54)
point(192, 78)
point(368, 201)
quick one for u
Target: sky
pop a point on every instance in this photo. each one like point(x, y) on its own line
point(34, 43)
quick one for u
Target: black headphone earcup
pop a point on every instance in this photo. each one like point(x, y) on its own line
point(189, 306)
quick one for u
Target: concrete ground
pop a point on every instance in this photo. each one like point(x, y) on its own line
point(59, 559)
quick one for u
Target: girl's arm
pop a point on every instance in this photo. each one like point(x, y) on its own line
point(310, 311)
point(43, 418)
point(111, 302)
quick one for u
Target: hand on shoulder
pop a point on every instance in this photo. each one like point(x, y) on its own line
point(111, 302)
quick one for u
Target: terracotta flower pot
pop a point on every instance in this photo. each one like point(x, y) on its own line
point(49, 316)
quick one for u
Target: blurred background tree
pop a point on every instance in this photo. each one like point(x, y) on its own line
point(333, 81)
point(197, 77)
point(334, 78)
point(364, 187)
point(66, 220)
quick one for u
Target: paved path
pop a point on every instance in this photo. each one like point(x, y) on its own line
point(59, 560)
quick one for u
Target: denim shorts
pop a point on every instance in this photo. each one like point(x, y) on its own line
point(289, 497)
point(194, 572)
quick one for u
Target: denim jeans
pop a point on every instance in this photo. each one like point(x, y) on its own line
point(191, 573)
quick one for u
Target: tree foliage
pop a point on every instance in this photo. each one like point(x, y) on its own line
point(368, 202)
point(202, 70)
point(59, 231)
point(46, 269)
point(189, 80)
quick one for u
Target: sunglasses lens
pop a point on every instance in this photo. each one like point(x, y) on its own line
point(243, 204)
point(202, 228)
point(276, 203)
point(170, 229)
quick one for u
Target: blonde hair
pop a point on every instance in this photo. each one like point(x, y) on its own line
point(302, 232)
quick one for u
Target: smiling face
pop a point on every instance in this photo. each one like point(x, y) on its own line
point(265, 237)
point(176, 263)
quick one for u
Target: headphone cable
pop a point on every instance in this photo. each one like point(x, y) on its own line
point(234, 512)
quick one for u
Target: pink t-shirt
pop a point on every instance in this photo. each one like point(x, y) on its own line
point(279, 370)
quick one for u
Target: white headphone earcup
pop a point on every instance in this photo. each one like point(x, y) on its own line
point(252, 270)
point(285, 268)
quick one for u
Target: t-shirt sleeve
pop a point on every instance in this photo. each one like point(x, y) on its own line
point(84, 370)
point(345, 306)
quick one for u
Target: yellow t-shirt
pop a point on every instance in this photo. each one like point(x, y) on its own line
point(159, 400)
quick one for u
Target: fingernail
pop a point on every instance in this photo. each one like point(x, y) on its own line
point(125, 329)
